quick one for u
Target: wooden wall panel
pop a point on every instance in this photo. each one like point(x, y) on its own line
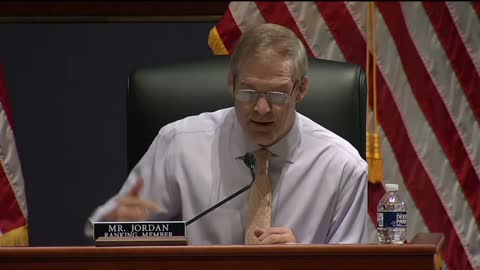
point(119, 11)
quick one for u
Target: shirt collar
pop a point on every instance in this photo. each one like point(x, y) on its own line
point(284, 149)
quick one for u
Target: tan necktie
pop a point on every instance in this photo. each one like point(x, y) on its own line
point(260, 200)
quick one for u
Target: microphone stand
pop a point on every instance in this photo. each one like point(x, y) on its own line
point(249, 160)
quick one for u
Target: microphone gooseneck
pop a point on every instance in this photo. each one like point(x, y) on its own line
point(249, 160)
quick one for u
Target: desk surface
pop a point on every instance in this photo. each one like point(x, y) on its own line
point(416, 255)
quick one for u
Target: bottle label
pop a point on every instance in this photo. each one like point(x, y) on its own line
point(392, 219)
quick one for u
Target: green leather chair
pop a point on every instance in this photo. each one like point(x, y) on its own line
point(158, 95)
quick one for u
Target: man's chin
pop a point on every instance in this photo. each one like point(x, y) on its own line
point(262, 139)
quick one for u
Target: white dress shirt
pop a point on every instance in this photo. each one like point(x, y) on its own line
point(319, 181)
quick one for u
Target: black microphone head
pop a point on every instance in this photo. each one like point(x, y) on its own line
point(249, 160)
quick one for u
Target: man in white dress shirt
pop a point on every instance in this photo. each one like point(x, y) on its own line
point(318, 180)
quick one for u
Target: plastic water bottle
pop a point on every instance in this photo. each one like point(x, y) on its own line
point(391, 217)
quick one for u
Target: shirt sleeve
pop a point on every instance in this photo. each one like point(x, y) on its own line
point(349, 225)
point(159, 186)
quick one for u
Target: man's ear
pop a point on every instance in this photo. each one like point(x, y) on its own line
point(230, 82)
point(303, 89)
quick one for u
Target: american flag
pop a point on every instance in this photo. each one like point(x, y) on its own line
point(428, 77)
point(13, 204)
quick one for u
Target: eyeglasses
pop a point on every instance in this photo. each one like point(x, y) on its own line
point(273, 97)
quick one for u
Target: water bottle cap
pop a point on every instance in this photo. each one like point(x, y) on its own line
point(391, 187)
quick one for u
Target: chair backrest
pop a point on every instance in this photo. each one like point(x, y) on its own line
point(158, 95)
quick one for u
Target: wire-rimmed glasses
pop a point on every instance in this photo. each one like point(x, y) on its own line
point(273, 97)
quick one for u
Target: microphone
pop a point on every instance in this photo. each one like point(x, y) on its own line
point(249, 160)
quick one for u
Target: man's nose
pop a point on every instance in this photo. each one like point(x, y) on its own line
point(262, 106)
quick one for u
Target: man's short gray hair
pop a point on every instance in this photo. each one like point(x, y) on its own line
point(268, 37)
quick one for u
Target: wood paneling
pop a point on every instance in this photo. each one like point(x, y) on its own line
point(111, 11)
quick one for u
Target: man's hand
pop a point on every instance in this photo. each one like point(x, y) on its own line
point(131, 207)
point(275, 235)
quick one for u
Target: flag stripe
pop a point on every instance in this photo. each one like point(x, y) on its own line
point(337, 17)
point(11, 216)
point(422, 136)
point(13, 206)
point(432, 105)
point(315, 31)
point(476, 6)
point(421, 144)
point(444, 77)
point(463, 65)
point(467, 23)
point(228, 30)
point(4, 98)
point(419, 183)
point(10, 162)
point(389, 117)
point(242, 10)
point(278, 13)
